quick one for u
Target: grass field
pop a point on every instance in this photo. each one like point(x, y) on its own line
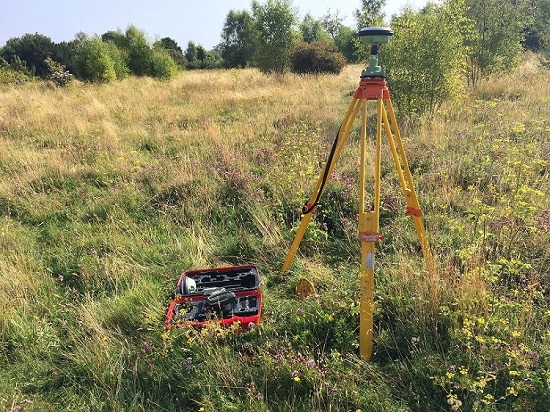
point(109, 192)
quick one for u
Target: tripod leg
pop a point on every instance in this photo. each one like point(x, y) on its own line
point(368, 235)
point(343, 134)
point(407, 184)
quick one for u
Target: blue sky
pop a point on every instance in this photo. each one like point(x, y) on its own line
point(182, 20)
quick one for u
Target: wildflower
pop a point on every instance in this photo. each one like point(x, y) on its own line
point(479, 339)
point(516, 334)
point(510, 390)
point(296, 379)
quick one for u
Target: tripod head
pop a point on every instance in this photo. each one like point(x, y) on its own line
point(374, 37)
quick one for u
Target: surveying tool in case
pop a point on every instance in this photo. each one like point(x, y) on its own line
point(228, 295)
point(372, 87)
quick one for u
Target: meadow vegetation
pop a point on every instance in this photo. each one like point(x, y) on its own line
point(108, 192)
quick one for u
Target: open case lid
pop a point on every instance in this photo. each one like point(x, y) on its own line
point(232, 278)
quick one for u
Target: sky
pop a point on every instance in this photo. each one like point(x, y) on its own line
point(182, 20)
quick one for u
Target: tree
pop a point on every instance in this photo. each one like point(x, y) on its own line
point(173, 49)
point(495, 30)
point(33, 49)
point(332, 23)
point(543, 28)
point(346, 42)
point(65, 54)
point(191, 55)
point(424, 58)
point(343, 36)
point(146, 60)
point(162, 64)
point(370, 13)
point(118, 38)
point(94, 62)
point(120, 59)
point(312, 30)
point(238, 39)
point(274, 22)
point(538, 32)
point(140, 53)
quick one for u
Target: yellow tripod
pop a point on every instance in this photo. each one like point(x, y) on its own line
point(372, 87)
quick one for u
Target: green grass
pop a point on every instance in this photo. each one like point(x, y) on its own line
point(109, 192)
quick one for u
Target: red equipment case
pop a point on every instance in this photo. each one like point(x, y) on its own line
point(228, 295)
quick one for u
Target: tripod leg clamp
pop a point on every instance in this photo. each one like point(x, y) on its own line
point(370, 236)
point(411, 211)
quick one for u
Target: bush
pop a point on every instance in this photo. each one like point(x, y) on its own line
point(162, 64)
point(58, 72)
point(94, 62)
point(13, 73)
point(120, 60)
point(316, 57)
point(424, 60)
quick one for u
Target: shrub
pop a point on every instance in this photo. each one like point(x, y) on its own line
point(120, 60)
point(316, 57)
point(58, 73)
point(162, 64)
point(424, 59)
point(94, 62)
point(13, 73)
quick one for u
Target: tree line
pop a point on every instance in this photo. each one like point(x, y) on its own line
point(435, 52)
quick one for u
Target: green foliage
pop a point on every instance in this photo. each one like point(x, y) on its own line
point(493, 36)
point(143, 59)
point(274, 22)
point(191, 53)
point(345, 41)
point(424, 59)
point(332, 23)
point(317, 57)
point(541, 29)
point(370, 13)
point(32, 49)
point(140, 53)
point(119, 57)
point(13, 73)
point(162, 64)
point(94, 61)
point(238, 39)
point(312, 30)
point(175, 51)
point(58, 74)
point(199, 58)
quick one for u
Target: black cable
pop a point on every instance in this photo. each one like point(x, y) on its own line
point(310, 208)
